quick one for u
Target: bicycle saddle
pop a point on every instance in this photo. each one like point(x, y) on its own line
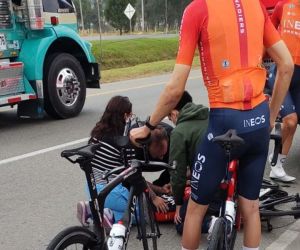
point(86, 151)
point(229, 139)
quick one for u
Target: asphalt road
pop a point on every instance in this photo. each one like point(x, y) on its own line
point(39, 189)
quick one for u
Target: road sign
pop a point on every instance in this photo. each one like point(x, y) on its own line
point(129, 11)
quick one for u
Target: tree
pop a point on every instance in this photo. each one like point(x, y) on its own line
point(89, 13)
point(114, 14)
point(156, 14)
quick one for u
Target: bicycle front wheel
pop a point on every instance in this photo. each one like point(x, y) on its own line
point(149, 228)
point(217, 240)
point(75, 238)
point(285, 206)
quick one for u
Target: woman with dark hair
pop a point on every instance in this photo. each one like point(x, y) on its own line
point(113, 120)
point(108, 155)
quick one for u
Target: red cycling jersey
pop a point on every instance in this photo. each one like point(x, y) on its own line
point(230, 54)
point(286, 17)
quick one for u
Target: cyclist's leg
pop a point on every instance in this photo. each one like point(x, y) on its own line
point(289, 125)
point(208, 171)
point(193, 224)
point(295, 90)
point(289, 119)
point(250, 175)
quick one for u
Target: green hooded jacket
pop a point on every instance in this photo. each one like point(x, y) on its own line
point(190, 128)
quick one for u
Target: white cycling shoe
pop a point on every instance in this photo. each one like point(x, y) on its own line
point(278, 173)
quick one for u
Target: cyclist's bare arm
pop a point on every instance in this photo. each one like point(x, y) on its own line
point(167, 101)
point(285, 67)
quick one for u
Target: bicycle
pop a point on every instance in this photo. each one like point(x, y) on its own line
point(276, 202)
point(226, 226)
point(96, 238)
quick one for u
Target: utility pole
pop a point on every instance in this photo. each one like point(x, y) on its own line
point(81, 16)
point(99, 17)
point(143, 17)
point(166, 15)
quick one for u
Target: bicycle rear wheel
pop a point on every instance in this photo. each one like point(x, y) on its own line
point(149, 228)
point(75, 238)
point(217, 240)
point(269, 184)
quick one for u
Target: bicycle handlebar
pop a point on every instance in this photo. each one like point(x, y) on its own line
point(87, 152)
point(140, 164)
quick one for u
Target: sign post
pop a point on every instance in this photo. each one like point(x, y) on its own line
point(129, 12)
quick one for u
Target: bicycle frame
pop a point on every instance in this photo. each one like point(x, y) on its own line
point(131, 173)
point(137, 183)
point(230, 185)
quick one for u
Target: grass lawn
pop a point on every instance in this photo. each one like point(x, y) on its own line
point(141, 70)
point(126, 59)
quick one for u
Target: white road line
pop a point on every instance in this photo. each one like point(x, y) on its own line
point(284, 240)
point(45, 150)
point(42, 151)
point(20, 157)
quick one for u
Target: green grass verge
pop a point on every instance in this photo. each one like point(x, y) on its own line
point(141, 70)
point(127, 53)
point(127, 59)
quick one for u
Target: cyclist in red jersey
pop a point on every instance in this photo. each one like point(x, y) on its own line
point(230, 38)
point(270, 5)
point(286, 17)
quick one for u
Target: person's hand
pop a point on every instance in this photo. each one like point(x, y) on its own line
point(167, 189)
point(160, 204)
point(273, 117)
point(272, 124)
point(177, 218)
point(138, 133)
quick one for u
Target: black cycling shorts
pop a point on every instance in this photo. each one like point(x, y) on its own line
point(291, 102)
point(210, 160)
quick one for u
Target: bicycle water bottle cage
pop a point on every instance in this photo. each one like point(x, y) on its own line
point(229, 140)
